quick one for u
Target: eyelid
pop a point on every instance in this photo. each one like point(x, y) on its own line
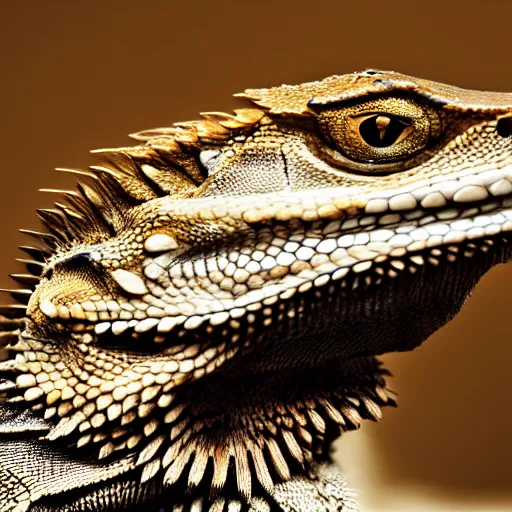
point(363, 169)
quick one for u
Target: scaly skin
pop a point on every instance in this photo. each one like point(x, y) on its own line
point(203, 318)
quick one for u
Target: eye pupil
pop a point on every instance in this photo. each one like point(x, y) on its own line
point(382, 131)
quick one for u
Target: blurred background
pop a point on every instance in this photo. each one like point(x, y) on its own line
point(81, 75)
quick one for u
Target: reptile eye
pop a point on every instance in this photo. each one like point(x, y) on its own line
point(380, 131)
point(383, 130)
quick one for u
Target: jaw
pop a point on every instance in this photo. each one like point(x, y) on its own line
point(361, 318)
point(391, 278)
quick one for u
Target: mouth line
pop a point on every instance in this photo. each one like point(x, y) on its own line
point(495, 245)
point(382, 244)
point(214, 350)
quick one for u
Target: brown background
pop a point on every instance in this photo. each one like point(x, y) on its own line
point(81, 75)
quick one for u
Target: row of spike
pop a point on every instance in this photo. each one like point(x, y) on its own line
point(131, 175)
point(90, 214)
point(273, 456)
point(12, 315)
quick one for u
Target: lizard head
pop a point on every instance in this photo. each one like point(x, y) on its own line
point(282, 246)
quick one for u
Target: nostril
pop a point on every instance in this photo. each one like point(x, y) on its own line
point(78, 260)
point(73, 262)
point(504, 127)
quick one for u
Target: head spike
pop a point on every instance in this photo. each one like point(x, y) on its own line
point(34, 267)
point(9, 324)
point(9, 337)
point(21, 295)
point(146, 135)
point(13, 310)
point(77, 172)
point(49, 240)
point(27, 279)
point(52, 191)
point(37, 253)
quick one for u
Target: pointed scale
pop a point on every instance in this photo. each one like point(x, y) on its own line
point(36, 253)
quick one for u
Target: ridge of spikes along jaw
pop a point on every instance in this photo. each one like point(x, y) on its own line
point(207, 306)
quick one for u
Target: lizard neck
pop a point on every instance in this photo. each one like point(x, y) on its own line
point(238, 437)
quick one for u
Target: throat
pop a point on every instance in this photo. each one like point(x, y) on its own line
point(239, 437)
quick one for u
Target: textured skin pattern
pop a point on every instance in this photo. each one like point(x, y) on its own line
point(200, 320)
point(328, 491)
point(32, 471)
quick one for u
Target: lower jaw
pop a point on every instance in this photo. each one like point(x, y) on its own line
point(374, 313)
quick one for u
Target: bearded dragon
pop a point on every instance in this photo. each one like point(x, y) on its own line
point(201, 319)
